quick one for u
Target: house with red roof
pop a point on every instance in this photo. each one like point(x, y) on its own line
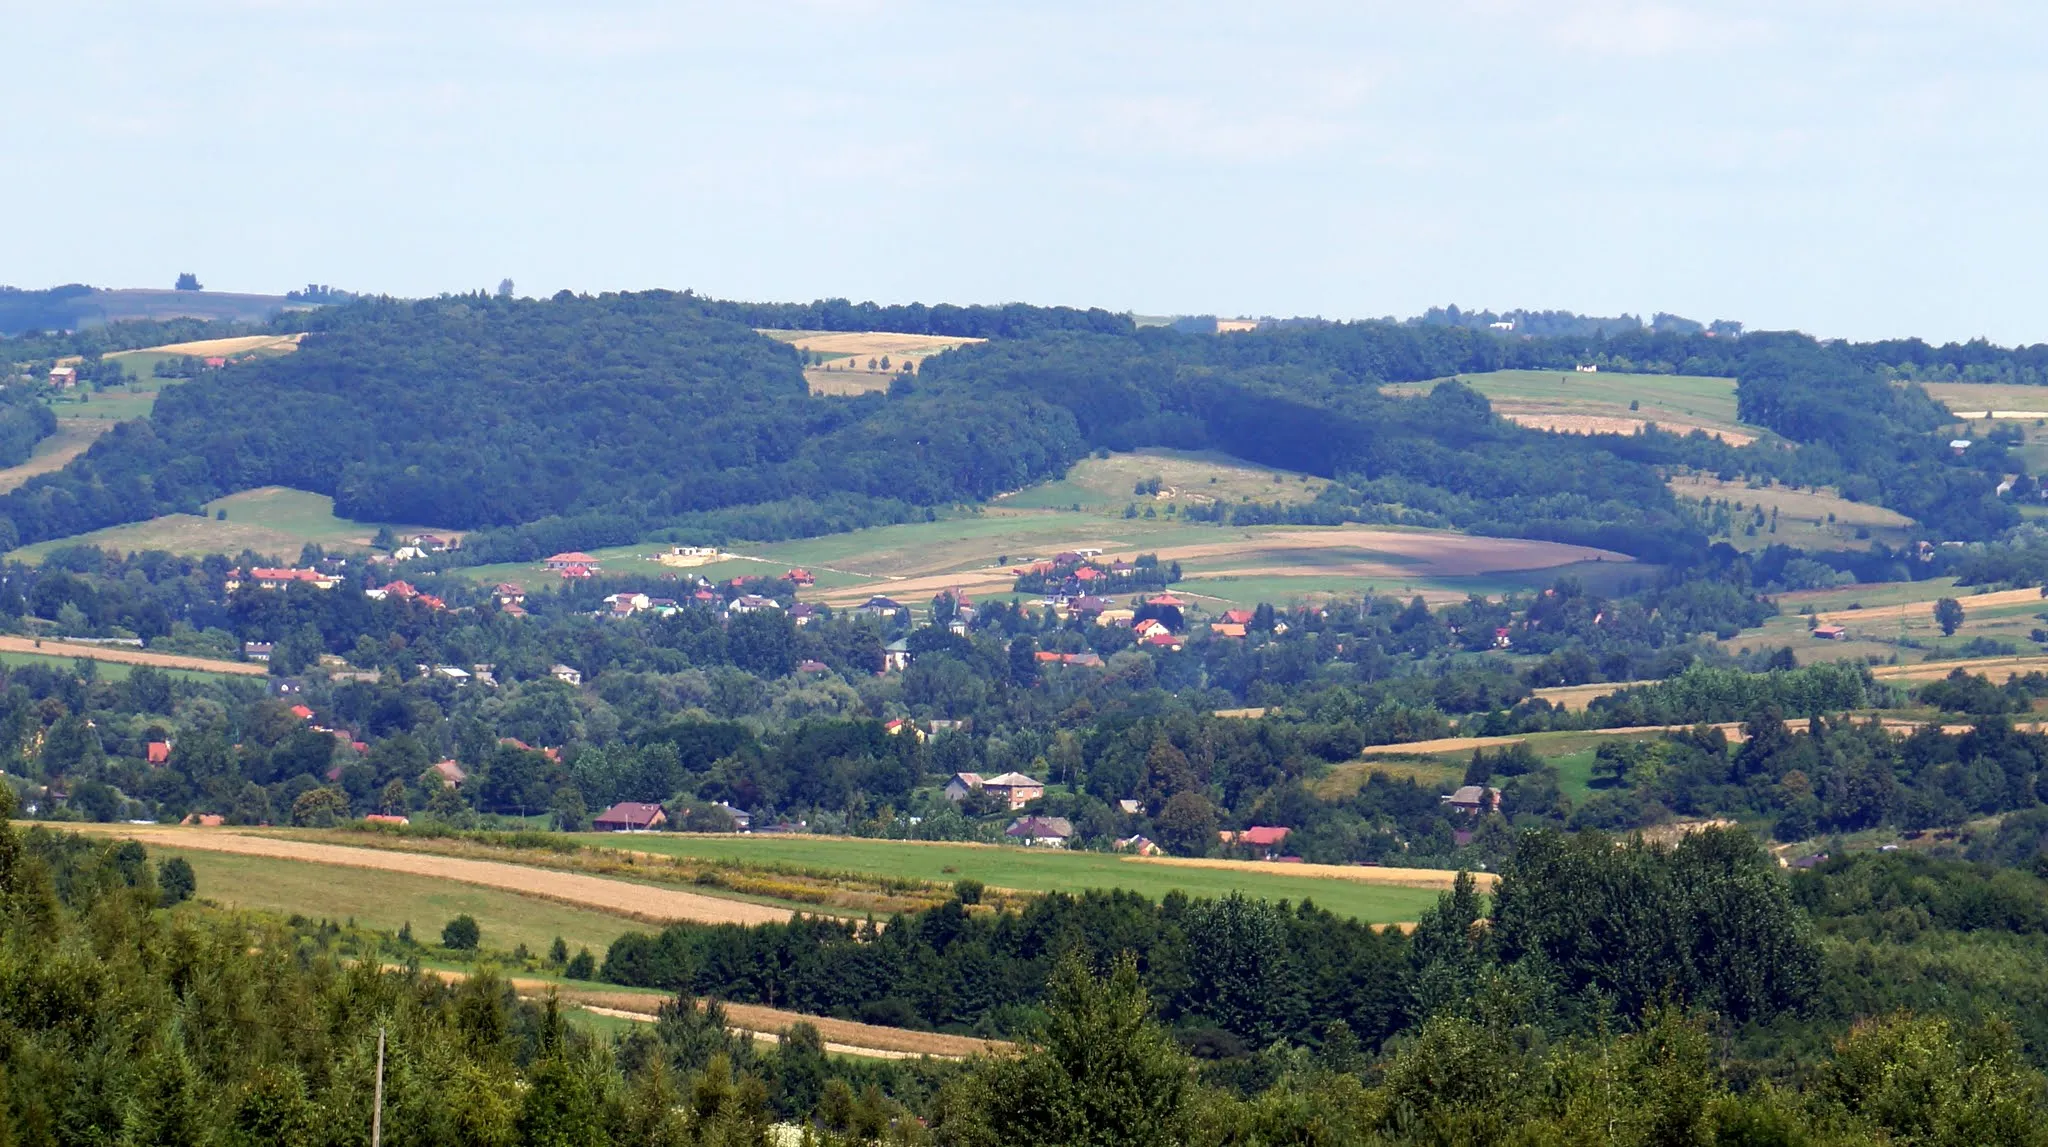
point(1237, 617)
point(159, 752)
point(801, 577)
point(302, 713)
point(572, 558)
point(1262, 840)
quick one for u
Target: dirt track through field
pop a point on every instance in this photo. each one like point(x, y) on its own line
point(620, 897)
point(1606, 424)
point(846, 1037)
point(127, 655)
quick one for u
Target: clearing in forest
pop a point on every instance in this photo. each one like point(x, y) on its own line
point(839, 359)
point(274, 521)
point(1600, 403)
point(1807, 519)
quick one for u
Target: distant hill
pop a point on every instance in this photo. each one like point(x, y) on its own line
point(77, 306)
point(580, 421)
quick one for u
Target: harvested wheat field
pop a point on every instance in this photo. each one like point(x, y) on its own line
point(1997, 669)
point(1925, 609)
point(125, 655)
point(846, 355)
point(1364, 874)
point(1561, 423)
point(624, 898)
point(229, 347)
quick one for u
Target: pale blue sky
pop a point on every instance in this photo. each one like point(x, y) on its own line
point(1858, 169)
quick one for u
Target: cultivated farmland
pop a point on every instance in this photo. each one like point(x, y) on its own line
point(841, 357)
point(1600, 403)
point(1372, 895)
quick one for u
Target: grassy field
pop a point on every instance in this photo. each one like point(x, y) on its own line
point(53, 453)
point(1224, 566)
point(1187, 478)
point(104, 670)
point(1599, 403)
point(273, 521)
point(388, 900)
point(1030, 870)
point(1808, 519)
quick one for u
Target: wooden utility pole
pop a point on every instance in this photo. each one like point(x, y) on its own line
point(377, 1112)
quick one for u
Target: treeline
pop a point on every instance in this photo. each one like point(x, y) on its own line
point(1005, 321)
point(1598, 932)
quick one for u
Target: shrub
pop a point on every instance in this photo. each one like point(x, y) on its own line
point(461, 934)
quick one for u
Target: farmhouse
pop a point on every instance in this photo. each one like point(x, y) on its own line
point(159, 752)
point(1041, 831)
point(509, 593)
point(879, 606)
point(63, 376)
point(1829, 632)
point(1263, 841)
point(562, 562)
point(1138, 844)
point(1016, 789)
point(801, 577)
point(752, 603)
point(281, 579)
point(452, 774)
point(630, 816)
point(1474, 799)
point(566, 674)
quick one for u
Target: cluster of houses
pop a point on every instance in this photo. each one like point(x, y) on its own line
point(260, 578)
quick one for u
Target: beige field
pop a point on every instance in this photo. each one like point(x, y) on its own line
point(2020, 402)
point(1996, 669)
point(126, 655)
point(1340, 551)
point(846, 1037)
point(72, 438)
point(1925, 609)
point(1562, 422)
point(1803, 515)
point(1363, 874)
point(849, 351)
point(648, 903)
point(225, 348)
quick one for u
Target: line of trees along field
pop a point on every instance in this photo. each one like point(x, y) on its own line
point(580, 421)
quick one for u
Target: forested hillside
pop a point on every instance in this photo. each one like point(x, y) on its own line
point(580, 421)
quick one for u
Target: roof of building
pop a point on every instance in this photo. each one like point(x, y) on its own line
point(577, 556)
point(1041, 826)
point(1473, 794)
point(631, 813)
point(1013, 781)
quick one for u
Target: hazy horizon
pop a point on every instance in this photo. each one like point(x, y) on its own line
point(1858, 171)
